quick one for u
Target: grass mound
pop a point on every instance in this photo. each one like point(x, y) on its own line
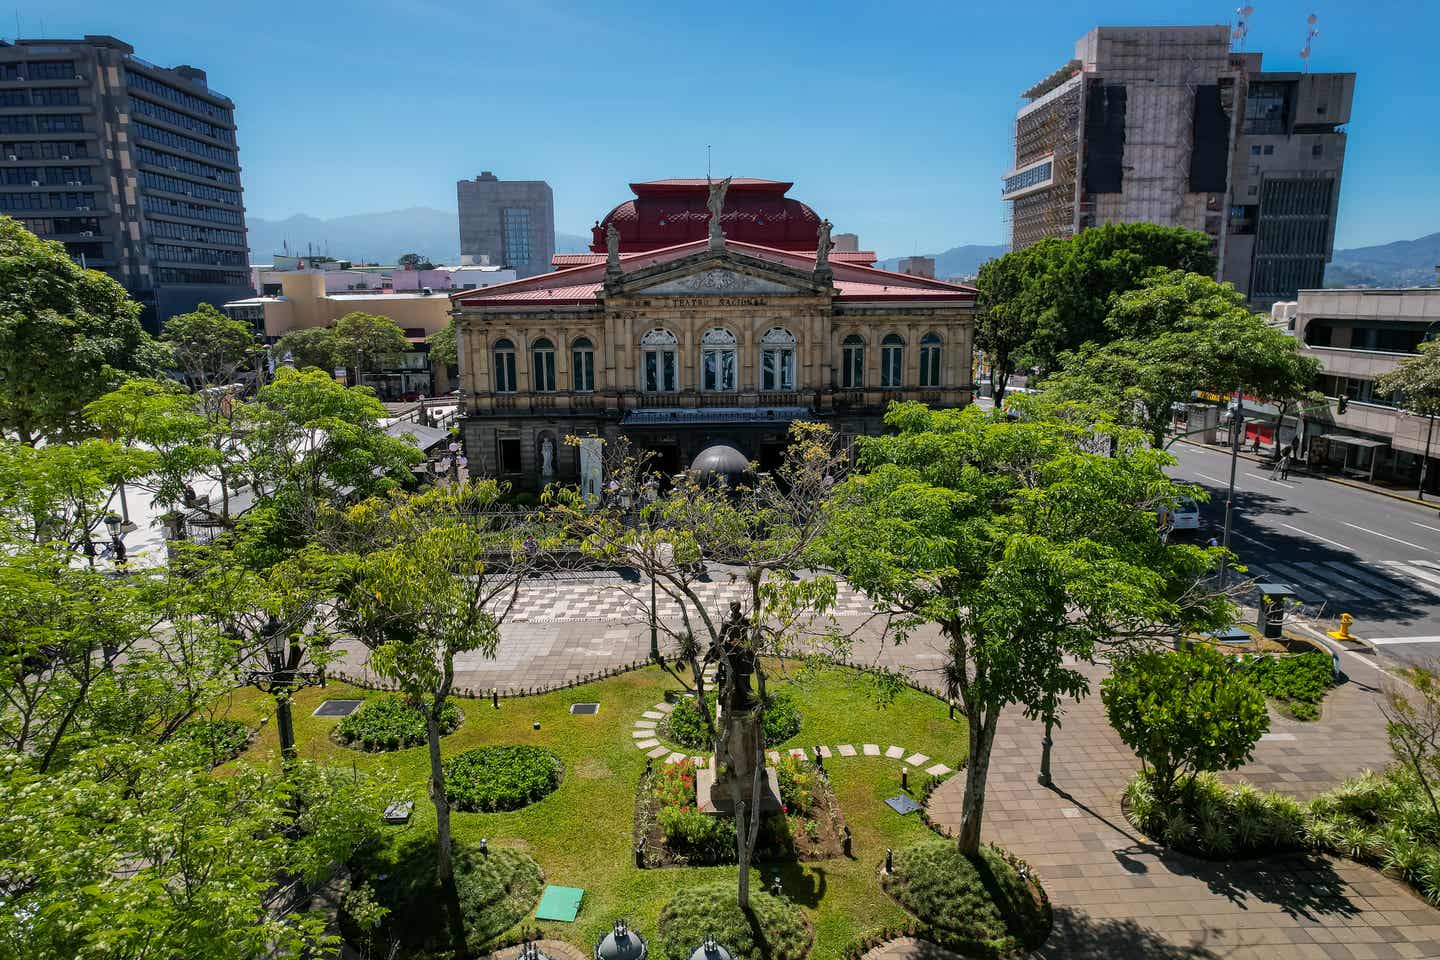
point(389, 723)
point(491, 779)
point(686, 726)
point(497, 890)
point(981, 906)
point(775, 929)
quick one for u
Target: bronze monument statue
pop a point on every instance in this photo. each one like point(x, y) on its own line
point(716, 204)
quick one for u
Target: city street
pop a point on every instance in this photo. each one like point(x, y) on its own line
point(1342, 550)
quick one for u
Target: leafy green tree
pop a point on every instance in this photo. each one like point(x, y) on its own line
point(209, 346)
point(1417, 381)
point(1184, 712)
point(424, 578)
point(60, 493)
point(314, 441)
point(1025, 548)
point(1181, 333)
point(415, 261)
point(161, 417)
point(360, 338)
point(67, 335)
point(145, 853)
point(443, 349)
point(1055, 295)
point(309, 347)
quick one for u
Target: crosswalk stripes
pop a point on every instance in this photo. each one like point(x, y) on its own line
point(1393, 581)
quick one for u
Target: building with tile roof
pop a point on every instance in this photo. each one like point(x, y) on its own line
point(682, 346)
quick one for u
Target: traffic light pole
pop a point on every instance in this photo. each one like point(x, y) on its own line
point(1237, 427)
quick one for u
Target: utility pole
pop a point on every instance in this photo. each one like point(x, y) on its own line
point(1237, 426)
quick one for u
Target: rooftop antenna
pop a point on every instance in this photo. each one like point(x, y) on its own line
point(1242, 26)
point(1311, 33)
point(707, 163)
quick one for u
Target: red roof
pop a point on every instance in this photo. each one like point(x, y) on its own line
point(581, 284)
point(669, 212)
point(863, 257)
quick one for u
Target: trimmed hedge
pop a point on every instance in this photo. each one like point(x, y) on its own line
point(686, 726)
point(491, 779)
point(388, 723)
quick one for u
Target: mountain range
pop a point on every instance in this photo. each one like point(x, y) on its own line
point(434, 233)
point(373, 237)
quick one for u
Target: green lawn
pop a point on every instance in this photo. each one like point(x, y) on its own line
point(582, 833)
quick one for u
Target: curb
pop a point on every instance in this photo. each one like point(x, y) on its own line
point(1381, 491)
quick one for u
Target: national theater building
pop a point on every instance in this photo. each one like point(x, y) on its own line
point(680, 335)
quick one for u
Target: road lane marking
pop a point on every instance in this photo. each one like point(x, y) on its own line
point(1426, 526)
point(1415, 572)
point(1237, 533)
point(1287, 486)
point(1386, 641)
point(1376, 533)
point(1317, 536)
point(1206, 476)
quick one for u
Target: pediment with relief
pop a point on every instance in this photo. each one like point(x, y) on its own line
point(718, 282)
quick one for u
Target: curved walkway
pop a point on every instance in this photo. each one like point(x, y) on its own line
point(1117, 895)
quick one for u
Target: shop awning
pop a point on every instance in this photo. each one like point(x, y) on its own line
point(1365, 442)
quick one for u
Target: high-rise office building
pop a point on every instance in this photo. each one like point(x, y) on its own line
point(130, 165)
point(512, 222)
point(1167, 125)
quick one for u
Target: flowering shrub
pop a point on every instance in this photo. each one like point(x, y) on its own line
point(674, 784)
point(798, 779)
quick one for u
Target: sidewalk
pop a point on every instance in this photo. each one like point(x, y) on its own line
point(1118, 895)
point(1406, 494)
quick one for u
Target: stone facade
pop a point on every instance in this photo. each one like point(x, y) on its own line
point(736, 304)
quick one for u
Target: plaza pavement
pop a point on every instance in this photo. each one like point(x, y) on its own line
point(1116, 895)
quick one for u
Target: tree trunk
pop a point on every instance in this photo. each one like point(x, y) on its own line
point(982, 739)
point(999, 380)
point(445, 866)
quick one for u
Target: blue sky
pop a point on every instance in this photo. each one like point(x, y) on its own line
point(893, 120)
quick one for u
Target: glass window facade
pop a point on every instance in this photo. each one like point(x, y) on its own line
point(516, 224)
point(930, 360)
point(852, 362)
point(543, 354)
point(892, 361)
point(504, 366)
point(582, 366)
point(717, 361)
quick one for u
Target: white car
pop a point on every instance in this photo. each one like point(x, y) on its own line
point(1185, 515)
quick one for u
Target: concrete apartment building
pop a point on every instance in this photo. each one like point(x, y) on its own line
point(510, 222)
point(1167, 125)
point(132, 166)
point(1358, 335)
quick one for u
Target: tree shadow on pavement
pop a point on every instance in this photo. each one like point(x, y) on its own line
point(1078, 936)
point(1303, 885)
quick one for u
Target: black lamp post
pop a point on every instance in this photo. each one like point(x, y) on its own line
point(281, 680)
point(113, 524)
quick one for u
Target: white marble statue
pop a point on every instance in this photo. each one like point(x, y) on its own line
point(591, 471)
point(612, 247)
point(823, 245)
point(547, 458)
point(716, 204)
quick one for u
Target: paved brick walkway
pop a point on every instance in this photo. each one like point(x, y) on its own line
point(1118, 895)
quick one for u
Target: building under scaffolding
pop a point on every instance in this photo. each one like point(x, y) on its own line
point(1158, 125)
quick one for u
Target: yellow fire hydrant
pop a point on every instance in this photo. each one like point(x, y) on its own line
point(1344, 632)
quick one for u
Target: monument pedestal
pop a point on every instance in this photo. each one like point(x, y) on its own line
point(713, 796)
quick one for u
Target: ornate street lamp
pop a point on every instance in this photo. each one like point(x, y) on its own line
point(710, 950)
point(622, 943)
point(117, 546)
point(282, 679)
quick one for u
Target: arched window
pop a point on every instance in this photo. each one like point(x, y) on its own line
point(892, 361)
point(659, 374)
point(777, 359)
point(582, 365)
point(504, 366)
point(542, 351)
point(930, 360)
point(717, 360)
point(852, 362)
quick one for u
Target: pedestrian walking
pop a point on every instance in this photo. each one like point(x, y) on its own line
point(1284, 467)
